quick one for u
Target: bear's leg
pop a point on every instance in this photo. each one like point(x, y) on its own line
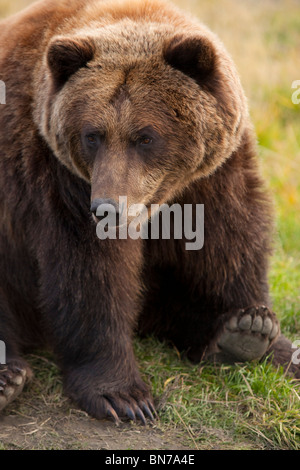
point(214, 302)
point(228, 328)
point(90, 317)
point(245, 335)
point(215, 327)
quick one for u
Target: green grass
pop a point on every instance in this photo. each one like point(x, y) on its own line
point(278, 130)
point(251, 401)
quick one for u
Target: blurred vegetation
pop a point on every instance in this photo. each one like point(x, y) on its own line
point(255, 400)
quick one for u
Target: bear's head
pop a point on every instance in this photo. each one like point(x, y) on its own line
point(140, 110)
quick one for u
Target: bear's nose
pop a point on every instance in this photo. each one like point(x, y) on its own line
point(107, 206)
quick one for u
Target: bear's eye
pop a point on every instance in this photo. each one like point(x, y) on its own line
point(144, 141)
point(92, 140)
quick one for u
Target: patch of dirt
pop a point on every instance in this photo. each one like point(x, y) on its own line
point(42, 418)
point(33, 423)
point(74, 430)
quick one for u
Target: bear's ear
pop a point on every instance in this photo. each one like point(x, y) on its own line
point(194, 56)
point(67, 55)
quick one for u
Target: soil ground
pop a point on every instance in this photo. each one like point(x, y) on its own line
point(65, 428)
point(42, 418)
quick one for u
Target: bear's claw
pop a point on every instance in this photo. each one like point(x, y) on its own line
point(133, 404)
point(119, 407)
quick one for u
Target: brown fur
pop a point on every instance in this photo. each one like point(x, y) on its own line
point(112, 69)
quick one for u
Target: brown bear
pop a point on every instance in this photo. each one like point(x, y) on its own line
point(125, 98)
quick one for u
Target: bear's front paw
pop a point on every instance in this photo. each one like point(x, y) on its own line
point(246, 335)
point(117, 402)
point(12, 380)
point(124, 406)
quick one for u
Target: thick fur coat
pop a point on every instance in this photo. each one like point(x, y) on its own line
point(123, 98)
